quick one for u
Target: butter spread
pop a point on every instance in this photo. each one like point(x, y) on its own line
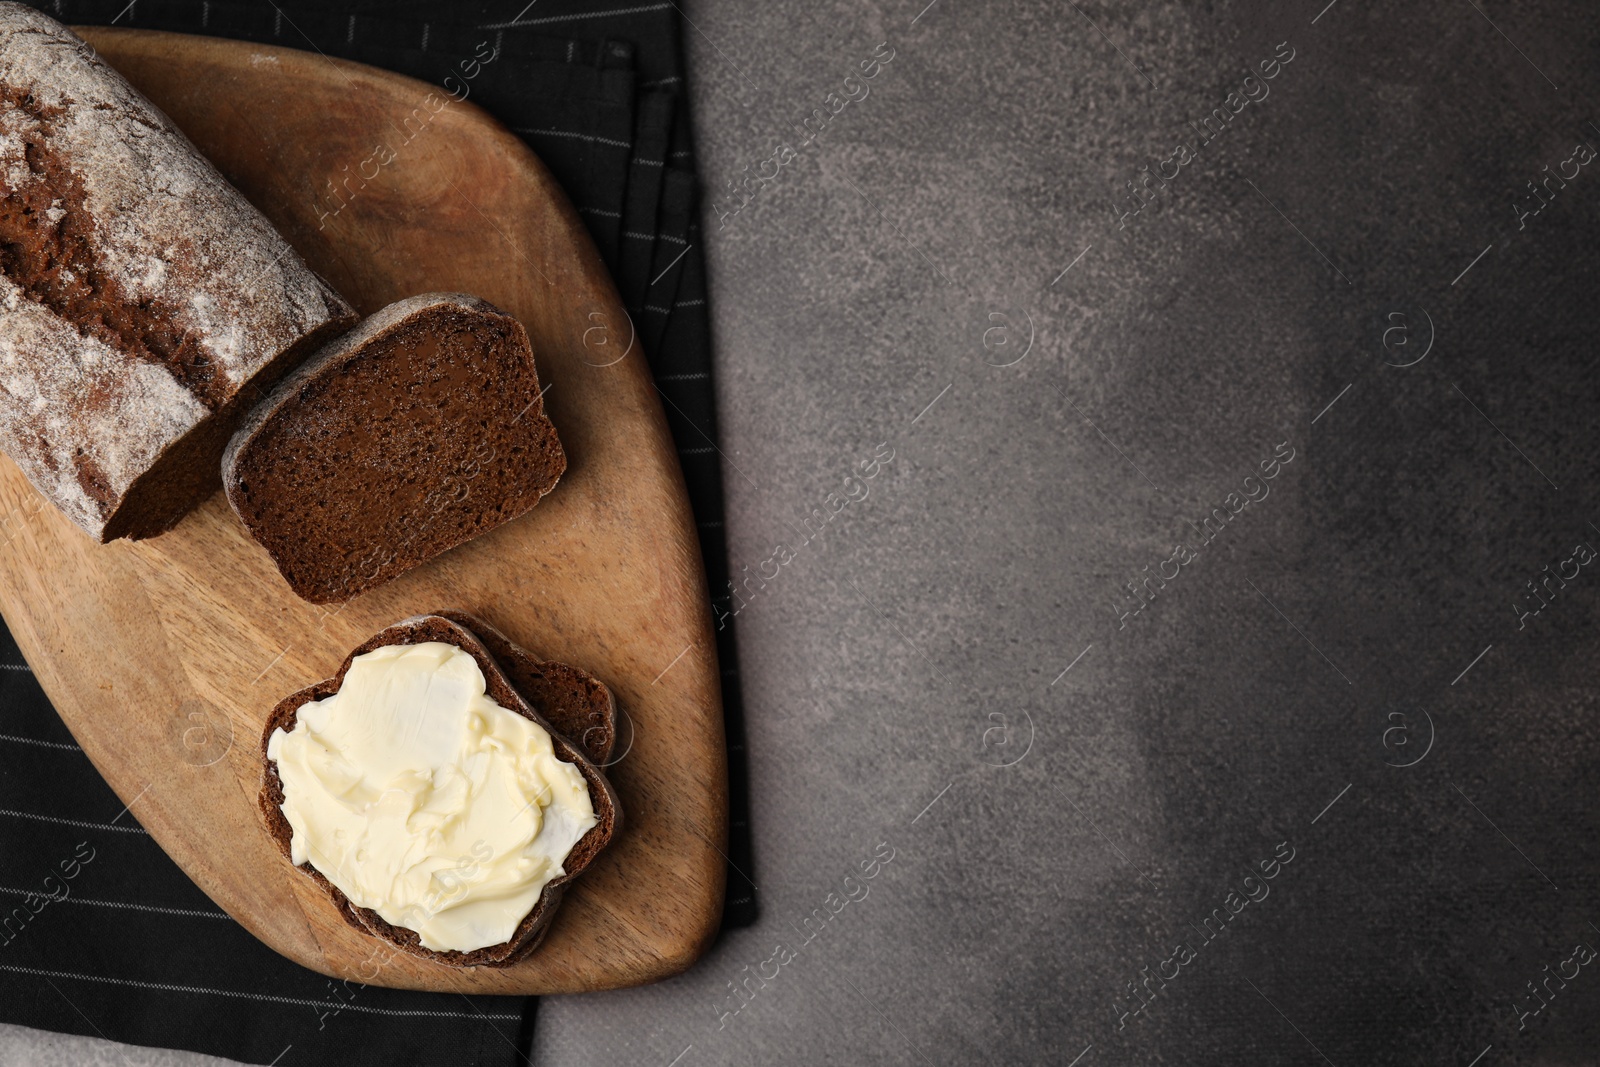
point(424, 800)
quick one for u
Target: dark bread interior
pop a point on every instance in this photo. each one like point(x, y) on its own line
point(445, 627)
point(420, 430)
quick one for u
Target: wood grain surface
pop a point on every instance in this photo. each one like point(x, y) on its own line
point(164, 656)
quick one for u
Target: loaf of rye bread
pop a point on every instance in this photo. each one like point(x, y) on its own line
point(579, 701)
point(420, 429)
point(144, 303)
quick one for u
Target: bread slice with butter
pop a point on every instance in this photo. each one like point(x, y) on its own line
point(415, 862)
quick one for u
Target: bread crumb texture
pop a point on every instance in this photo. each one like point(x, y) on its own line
point(419, 430)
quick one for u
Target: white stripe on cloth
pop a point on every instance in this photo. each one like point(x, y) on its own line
point(271, 998)
point(72, 822)
point(36, 741)
point(577, 136)
point(571, 18)
point(195, 912)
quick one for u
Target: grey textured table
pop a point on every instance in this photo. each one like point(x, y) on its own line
point(1319, 785)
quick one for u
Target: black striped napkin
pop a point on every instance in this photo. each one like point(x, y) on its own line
point(100, 933)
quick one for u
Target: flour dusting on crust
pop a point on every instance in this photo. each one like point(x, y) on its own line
point(193, 294)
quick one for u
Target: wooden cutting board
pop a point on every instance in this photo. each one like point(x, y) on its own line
point(164, 656)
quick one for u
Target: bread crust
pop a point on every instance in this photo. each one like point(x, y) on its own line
point(144, 303)
point(445, 627)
